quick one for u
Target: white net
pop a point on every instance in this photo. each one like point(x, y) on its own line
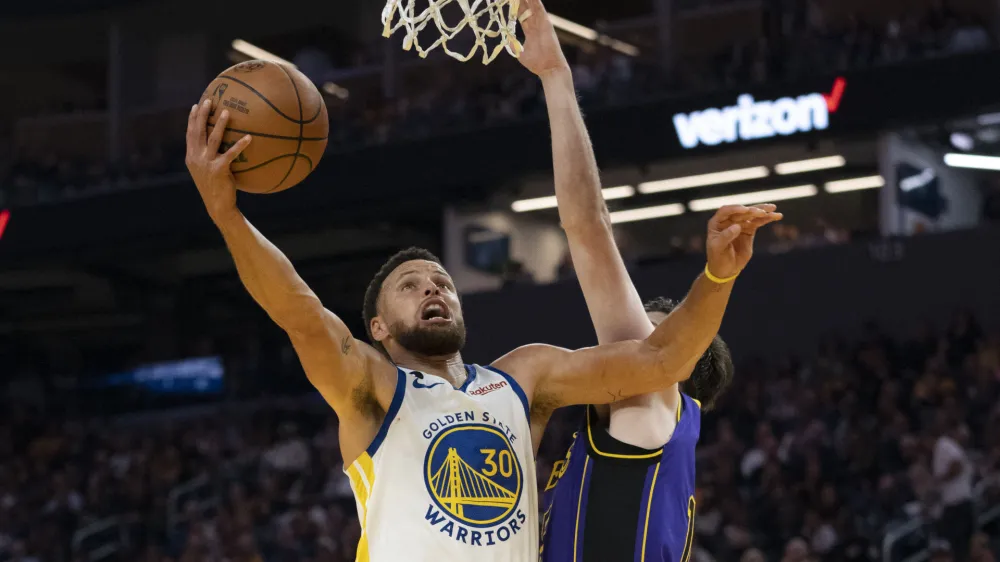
point(492, 22)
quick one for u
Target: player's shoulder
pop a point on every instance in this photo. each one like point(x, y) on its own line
point(527, 361)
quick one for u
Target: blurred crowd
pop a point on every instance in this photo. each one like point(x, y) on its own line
point(802, 461)
point(816, 460)
point(51, 178)
point(797, 39)
point(801, 39)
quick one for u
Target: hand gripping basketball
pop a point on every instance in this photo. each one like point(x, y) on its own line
point(729, 243)
point(209, 169)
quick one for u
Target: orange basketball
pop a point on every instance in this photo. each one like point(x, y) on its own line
point(284, 113)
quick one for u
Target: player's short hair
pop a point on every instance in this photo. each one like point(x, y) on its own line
point(370, 309)
point(714, 371)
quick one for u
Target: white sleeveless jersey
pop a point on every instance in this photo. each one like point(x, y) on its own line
point(450, 474)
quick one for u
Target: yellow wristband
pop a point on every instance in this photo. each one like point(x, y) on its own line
point(718, 280)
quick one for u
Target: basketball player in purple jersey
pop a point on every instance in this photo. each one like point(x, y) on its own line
point(626, 489)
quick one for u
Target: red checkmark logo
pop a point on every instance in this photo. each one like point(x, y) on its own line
point(835, 95)
point(4, 219)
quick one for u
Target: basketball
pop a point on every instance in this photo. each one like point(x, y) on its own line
point(284, 113)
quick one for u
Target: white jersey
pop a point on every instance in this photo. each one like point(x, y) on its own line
point(450, 474)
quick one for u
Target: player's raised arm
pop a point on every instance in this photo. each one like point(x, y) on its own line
point(556, 377)
point(614, 304)
point(336, 364)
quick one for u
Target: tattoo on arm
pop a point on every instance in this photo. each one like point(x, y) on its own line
point(345, 346)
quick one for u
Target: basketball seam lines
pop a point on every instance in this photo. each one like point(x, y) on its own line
point(269, 136)
point(267, 101)
point(298, 98)
point(319, 109)
point(289, 155)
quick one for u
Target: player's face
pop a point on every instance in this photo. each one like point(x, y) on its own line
point(420, 310)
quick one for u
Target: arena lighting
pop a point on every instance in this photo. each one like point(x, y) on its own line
point(988, 119)
point(589, 34)
point(754, 197)
point(702, 180)
point(4, 219)
point(646, 213)
point(854, 184)
point(255, 52)
point(811, 165)
point(962, 141)
point(974, 161)
point(549, 202)
point(336, 91)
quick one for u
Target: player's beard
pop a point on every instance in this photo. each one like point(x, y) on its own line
point(434, 341)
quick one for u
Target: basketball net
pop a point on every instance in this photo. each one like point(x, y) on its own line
point(500, 27)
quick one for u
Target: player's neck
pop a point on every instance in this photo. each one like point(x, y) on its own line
point(448, 367)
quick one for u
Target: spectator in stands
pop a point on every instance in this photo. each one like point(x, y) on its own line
point(953, 473)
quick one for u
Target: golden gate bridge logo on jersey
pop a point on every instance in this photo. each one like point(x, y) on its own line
point(474, 477)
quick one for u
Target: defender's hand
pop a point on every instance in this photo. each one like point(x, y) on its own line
point(209, 169)
point(731, 231)
point(542, 53)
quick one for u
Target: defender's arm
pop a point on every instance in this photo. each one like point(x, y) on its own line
point(616, 309)
point(607, 373)
point(554, 377)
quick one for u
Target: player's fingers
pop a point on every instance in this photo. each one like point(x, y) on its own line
point(523, 11)
point(530, 10)
point(766, 207)
point(738, 218)
point(235, 150)
point(725, 237)
point(215, 139)
point(765, 220)
point(534, 6)
point(724, 214)
point(201, 121)
point(192, 128)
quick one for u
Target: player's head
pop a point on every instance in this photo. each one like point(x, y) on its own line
point(412, 303)
point(714, 370)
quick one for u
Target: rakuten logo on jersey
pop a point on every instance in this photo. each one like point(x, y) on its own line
point(484, 390)
point(751, 120)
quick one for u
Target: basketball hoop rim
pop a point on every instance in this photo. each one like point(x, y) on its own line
point(500, 28)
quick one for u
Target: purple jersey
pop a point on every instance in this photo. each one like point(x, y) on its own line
point(610, 501)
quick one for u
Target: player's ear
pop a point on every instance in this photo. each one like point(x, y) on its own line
point(379, 328)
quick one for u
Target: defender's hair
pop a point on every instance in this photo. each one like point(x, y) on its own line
point(370, 309)
point(714, 371)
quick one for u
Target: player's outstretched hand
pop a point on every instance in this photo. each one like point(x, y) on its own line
point(731, 231)
point(210, 169)
point(542, 53)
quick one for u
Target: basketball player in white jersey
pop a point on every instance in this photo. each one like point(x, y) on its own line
point(440, 453)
